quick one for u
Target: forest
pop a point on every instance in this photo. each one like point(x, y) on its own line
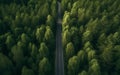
point(90, 37)
point(27, 33)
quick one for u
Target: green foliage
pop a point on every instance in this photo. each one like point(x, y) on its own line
point(48, 34)
point(54, 8)
point(50, 21)
point(66, 19)
point(17, 55)
point(43, 11)
point(81, 14)
point(117, 66)
point(24, 38)
point(26, 71)
point(43, 50)
point(66, 37)
point(81, 56)
point(107, 55)
point(74, 36)
point(27, 29)
point(91, 55)
point(90, 36)
point(94, 68)
point(87, 45)
point(86, 36)
point(93, 28)
point(6, 66)
point(10, 41)
point(69, 50)
point(73, 65)
point(44, 66)
point(83, 73)
point(40, 33)
point(34, 51)
point(74, 9)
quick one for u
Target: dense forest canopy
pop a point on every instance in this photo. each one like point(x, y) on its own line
point(27, 37)
point(90, 37)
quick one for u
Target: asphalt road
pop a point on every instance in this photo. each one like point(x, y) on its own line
point(59, 60)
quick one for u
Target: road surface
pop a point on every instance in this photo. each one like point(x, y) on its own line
point(59, 61)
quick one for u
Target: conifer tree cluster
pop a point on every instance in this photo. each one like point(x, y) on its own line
point(91, 37)
point(27, 37)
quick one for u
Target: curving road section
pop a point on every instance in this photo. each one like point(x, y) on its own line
point(59, 60)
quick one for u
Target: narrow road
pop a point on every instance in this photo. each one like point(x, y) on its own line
point(59, 61)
